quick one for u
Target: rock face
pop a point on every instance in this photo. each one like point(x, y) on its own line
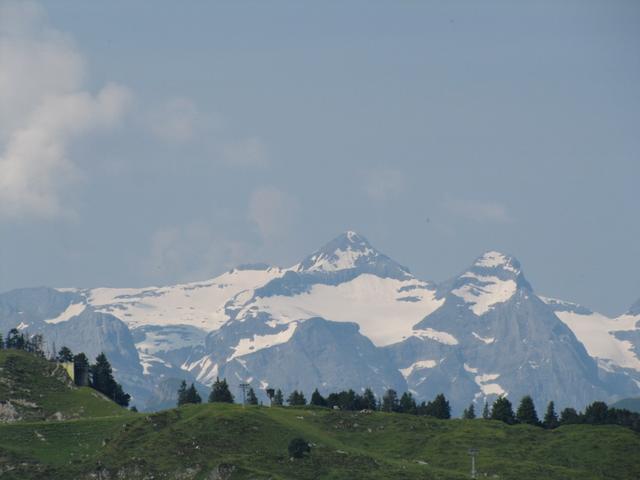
point(346, 316)
point(496, 337)
point(63, 318)
point(330, 355)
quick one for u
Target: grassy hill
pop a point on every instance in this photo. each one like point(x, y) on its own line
point(204, 441)
point(31, 388)
point(220, 441)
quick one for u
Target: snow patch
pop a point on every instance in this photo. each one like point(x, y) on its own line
point(596, 332)
point(147, 362)
point(207, 370)
point(258, 342)
point(171, 338)
point(422, 364)
point(495, 259)
point(71, 311)
point(470, 369)
point(482, 293)
point(484, 381)
point(438, 336)
point(487, 340)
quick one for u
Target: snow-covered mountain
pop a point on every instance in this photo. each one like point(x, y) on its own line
point(613, 342)
point(498, 338)
point(347, 316)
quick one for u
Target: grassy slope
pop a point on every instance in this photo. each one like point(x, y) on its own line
point(348, 445)
point(38, 390)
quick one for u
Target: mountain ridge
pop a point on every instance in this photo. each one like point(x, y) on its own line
point(456, 336)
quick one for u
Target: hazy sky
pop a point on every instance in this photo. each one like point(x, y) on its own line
point(160, 141)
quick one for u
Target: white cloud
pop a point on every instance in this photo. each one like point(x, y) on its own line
point(44, 108)
point(176, 120)
point(250, 152)
point(478, 211)
point(191, 252)
point(179, 120)
point(272, 211)
point(382, 184)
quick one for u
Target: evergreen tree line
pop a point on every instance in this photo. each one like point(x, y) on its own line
point(98, 375)
point(349, 400)
point(597, 413)
point(344, 400)
point(220, 393)
point(23, 341)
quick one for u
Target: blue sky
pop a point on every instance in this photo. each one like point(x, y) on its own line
point(154, 142)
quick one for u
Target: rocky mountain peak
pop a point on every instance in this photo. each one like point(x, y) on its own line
point(350, 251)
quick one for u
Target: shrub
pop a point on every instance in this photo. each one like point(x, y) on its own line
point(298, 447)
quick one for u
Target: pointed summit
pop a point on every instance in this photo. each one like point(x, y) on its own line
point(497, 260)
point(492, 279)
point(351, 251)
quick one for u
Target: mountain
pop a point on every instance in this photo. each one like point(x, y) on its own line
point(493, 337)
point(346, 316)
point(631, 404)
point(613, 342)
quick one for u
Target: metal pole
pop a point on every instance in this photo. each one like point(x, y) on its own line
point(473, 452)
point(243, 387)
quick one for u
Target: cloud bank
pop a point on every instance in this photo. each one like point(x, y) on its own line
point(44, 109)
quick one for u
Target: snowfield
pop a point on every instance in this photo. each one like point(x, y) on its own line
point(377, 305)
point(198, 304)
point(597, 333)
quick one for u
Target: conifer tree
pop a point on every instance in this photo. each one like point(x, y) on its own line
point(120, 397)
point(278, 399)
point(317, 399)
point(527, 411)
point(81, 369)
point(485, 411)
point(296, 399)
point(1, 342)
point(13, 338)
point(569, 416)
point(503, 410)
point(469, 412)
point(182, 393)
point(369, 401)
point(36, 345)
point(252, 399)
point(347, 400)
point(596, 413)
point(65, 355)
point(103, 381)
point(550, 417)
point(192, 395)
point(220, 392)
point(333, 400)
point(390, 401)
point(407, 403)
point(439, 407)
